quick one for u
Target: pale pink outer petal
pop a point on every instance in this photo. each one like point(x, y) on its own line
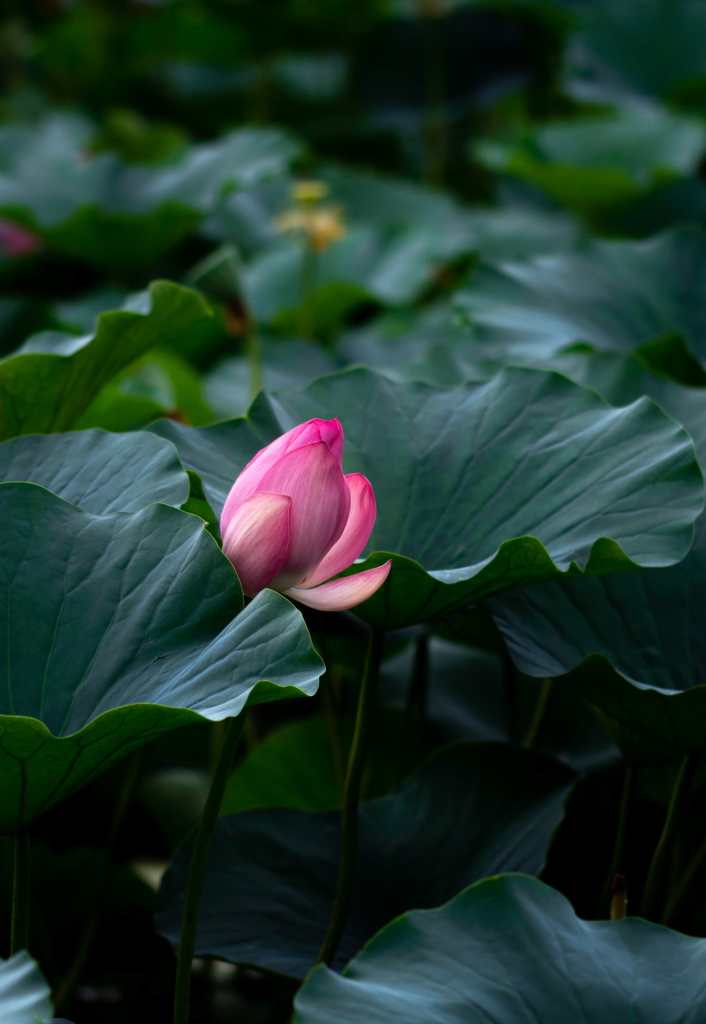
point(248, 481)
point(321, 501)
point(257, 539)
point(358, 528)
point(339, 595)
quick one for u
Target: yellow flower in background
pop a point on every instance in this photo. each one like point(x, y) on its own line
point(321, 223)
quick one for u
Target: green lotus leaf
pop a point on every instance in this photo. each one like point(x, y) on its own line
point(119, 216)
point(472, 810)
point(482, 488)
point(648, 625)
point(512, 950)
point(53, 378)
point(98, 471)
point(625, 297)
point(119, 628)
point(605, 160)
point(25, 997)
point(626, 50)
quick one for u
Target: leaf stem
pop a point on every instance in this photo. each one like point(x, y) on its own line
point(538, 717)
point(351, 798)
point(197, 871)
point(105, 871)
point(412, 739)
point(675, 813)
point(677, 895)
point(307, 289)
point(617, 864)
point(19, 934)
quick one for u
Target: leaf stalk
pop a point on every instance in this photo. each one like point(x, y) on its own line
point(351, 798)
point(197, 871)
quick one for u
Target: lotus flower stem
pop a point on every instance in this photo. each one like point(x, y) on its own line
point(351, 799)
point(253, 350)
point(675, 813)
point(617, 864)
point(539, 715)
point(19, 935)
point(197, 871)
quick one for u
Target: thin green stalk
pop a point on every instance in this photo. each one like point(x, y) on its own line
point(412, 740)
point(105, 872)
point(351, 799)
point(197, 871)
point(617, 864)
point(687, 877)
point(675, 813)
point(19, 934)
point(307, 326)
point(540, 711)
point(253, 351)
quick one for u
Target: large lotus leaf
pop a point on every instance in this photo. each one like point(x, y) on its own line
point(118, 628)
point(622, 378)
point(209, 171)
point(488, 487)
point(629, 48)
point(116, 215)
point(115, 241)
point(471, 811)
point(512, 951)
point(364, 266)
point(25, 997)
point(52, 379)
point(598, 162)
point(613, 296)
point(649, 624)
point(98, 471)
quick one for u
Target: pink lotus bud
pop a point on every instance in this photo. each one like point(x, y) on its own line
point(292, 520)
point(16, 240)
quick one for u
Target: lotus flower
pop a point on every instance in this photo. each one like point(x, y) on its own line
point(16, 240)
point(292, 520)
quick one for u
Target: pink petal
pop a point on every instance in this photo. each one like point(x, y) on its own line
point(257, 539)
point(321, 501)
point(359, 526)
point(16, 240)
point(248, 481)
point(331, 433)
point(339, 595)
